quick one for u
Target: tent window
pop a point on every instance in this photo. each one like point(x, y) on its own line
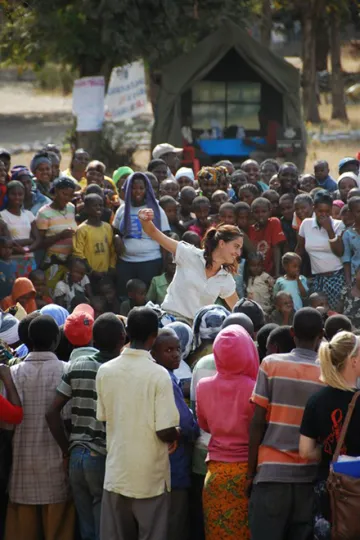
point(225, 104)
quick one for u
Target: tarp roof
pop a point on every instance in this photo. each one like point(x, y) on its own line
point(184, 71)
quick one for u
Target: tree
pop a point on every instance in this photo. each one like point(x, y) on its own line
point(337, 79)
point(266, 23)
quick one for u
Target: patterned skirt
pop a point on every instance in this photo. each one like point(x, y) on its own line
point(331, 286)
point(225, 503)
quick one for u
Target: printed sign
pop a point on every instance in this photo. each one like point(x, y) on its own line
point(126, 96)
point(88, 103)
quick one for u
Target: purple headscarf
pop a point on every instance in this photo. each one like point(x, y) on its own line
point(150, 202)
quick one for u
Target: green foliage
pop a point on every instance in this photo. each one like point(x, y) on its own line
point(94, 35)
point(52, 77)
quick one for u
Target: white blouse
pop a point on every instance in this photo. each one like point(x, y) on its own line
point(317, 245)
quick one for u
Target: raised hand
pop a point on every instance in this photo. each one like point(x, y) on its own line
point(146, 214)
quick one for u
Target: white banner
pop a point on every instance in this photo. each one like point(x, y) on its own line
point(126, 96)
point(88, 103)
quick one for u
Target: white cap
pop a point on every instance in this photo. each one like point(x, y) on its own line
point(185, 171)
point(165, 148)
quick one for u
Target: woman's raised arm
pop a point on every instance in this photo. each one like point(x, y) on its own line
point(146, 216)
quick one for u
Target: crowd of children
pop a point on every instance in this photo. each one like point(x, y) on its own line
point(81, 281)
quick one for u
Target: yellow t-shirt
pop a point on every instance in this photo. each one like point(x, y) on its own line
point(96, 245)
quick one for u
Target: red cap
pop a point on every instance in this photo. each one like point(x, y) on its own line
point(79, 325)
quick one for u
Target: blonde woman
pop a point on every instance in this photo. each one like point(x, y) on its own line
point(324, 416)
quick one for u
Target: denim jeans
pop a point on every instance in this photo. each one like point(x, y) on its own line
point(86, 474)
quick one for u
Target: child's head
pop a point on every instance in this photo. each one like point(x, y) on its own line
point(346, 182)
point(142, 326)
point(238, 179)
point(15, 194)
point(166, 349)
point(319, 299)
point(223, 180)
point(170, 207)
point(38, 279)
point(321, 170)
point(284, 302)
point(185, 177)
point(6, 247)
point(354, 207)
point(280, 340)
point(307, 182)
point(273, 196)
point(248, 193)
point(253, 310)
point(291, 263)
point(192, 238)
point(207, 178)
point(107, 289)
point(218, 198)
point(77, 269)
point(44, 333)
point(159, 168)
point(346, 216)
point(335, 324)
point(304, 206)
point(23, 329)
point(337, 205)
point(154, 183)
point(169, 187)
point(136, 291)
point(227, 213)
point(288, 176)
point(94, 189)
point(261, 210)
point(268, 168)
point(187, 195)
point(138, 189)
point(98, 303)
point(169, 263)
point(201, 209)
point(94, 206)
point(109, 333)
point(340, 355)
point(255, 264)
point(354, 192)
point(286, 206)
point(95, 172)
point(227, 164)
point(242, 215)
point(5, 157)
point(275, 183)
point(252, 169)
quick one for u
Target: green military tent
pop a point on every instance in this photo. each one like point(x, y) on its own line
point(177, 78)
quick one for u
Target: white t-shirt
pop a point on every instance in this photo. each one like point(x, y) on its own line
point(63, 289)
point(138, 246)
point(317, 245)
point(190, 289)
point(19, 226)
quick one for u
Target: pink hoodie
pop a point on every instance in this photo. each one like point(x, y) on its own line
point(223, 401)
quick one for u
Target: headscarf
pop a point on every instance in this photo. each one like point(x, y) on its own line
point(21, 287)
point(348, 175)
point(235, 353)
point(208, 173)
point(187, 172)
point(207, 323)
point(38, 160)
point(150, 202)
point(58, 313)
point(120, 172)
point(9, 328)
point(185, 335)
point(338, 203)
point(63, 182)
point(18, 171)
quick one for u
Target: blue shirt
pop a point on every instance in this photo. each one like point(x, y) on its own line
point(351, 241)
point(7, 277)
point(180, 460)
point(329, 184)
point(291, 286)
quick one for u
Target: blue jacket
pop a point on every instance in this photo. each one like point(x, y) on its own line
point(180, 460)
point(329, 184)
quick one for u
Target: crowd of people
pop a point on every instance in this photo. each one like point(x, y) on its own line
point(177, 351)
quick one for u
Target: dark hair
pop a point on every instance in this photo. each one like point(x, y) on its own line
point(78, 299)
point(227, 206)
point(15, 184)
point(290, 256)
point(308, 324)
point(288, 197)
point(250, 187)
point(320, 162)
point(337, 323)
point(155, 163)
point(238, 172)
point(286, 165)
point(134, 285)
point(5, 153)
point(94, 189)
point(323, 197)
point(280, 295)
point(282, 338)
point(262, 337)
point(253, 310)
point(251, 256)
point(303, 198)
point(346, 208)
point(188, 189)
point(23, 329)
point(141, 324)
point(268, 162)
point(261, 201)
point(198, 201)
point(106, 280)
point(92, 198)
point(227, 233)
point(190, 237)
point(223, 163)
point(318, 294)
point(38, 273)
point(44, 333)
point(63, 182)
point(152, 178)
point(51, 147)
point(108, 332)
point(241, 319)
point(166, 200)
point(240, 207)
point(64, 348)
point(352, 202)
point(76, 260)
point(268, 192)
point(100, 299)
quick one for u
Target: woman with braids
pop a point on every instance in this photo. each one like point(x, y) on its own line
point(202, 275)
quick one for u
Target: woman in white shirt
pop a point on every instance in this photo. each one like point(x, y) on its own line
point(320, 236)
point(23, 230)
point(201, 275)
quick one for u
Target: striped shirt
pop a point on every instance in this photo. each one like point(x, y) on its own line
point(284, 384)
point(78, 383)
point(53, 222)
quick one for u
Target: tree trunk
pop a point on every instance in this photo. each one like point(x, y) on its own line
point(337, 81)
point(266, 23)
point(310, 102)
point(322, 48)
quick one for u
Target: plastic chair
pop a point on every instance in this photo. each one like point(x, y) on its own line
point(189, 159)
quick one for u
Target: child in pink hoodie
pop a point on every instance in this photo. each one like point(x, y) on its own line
point(224, 410)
